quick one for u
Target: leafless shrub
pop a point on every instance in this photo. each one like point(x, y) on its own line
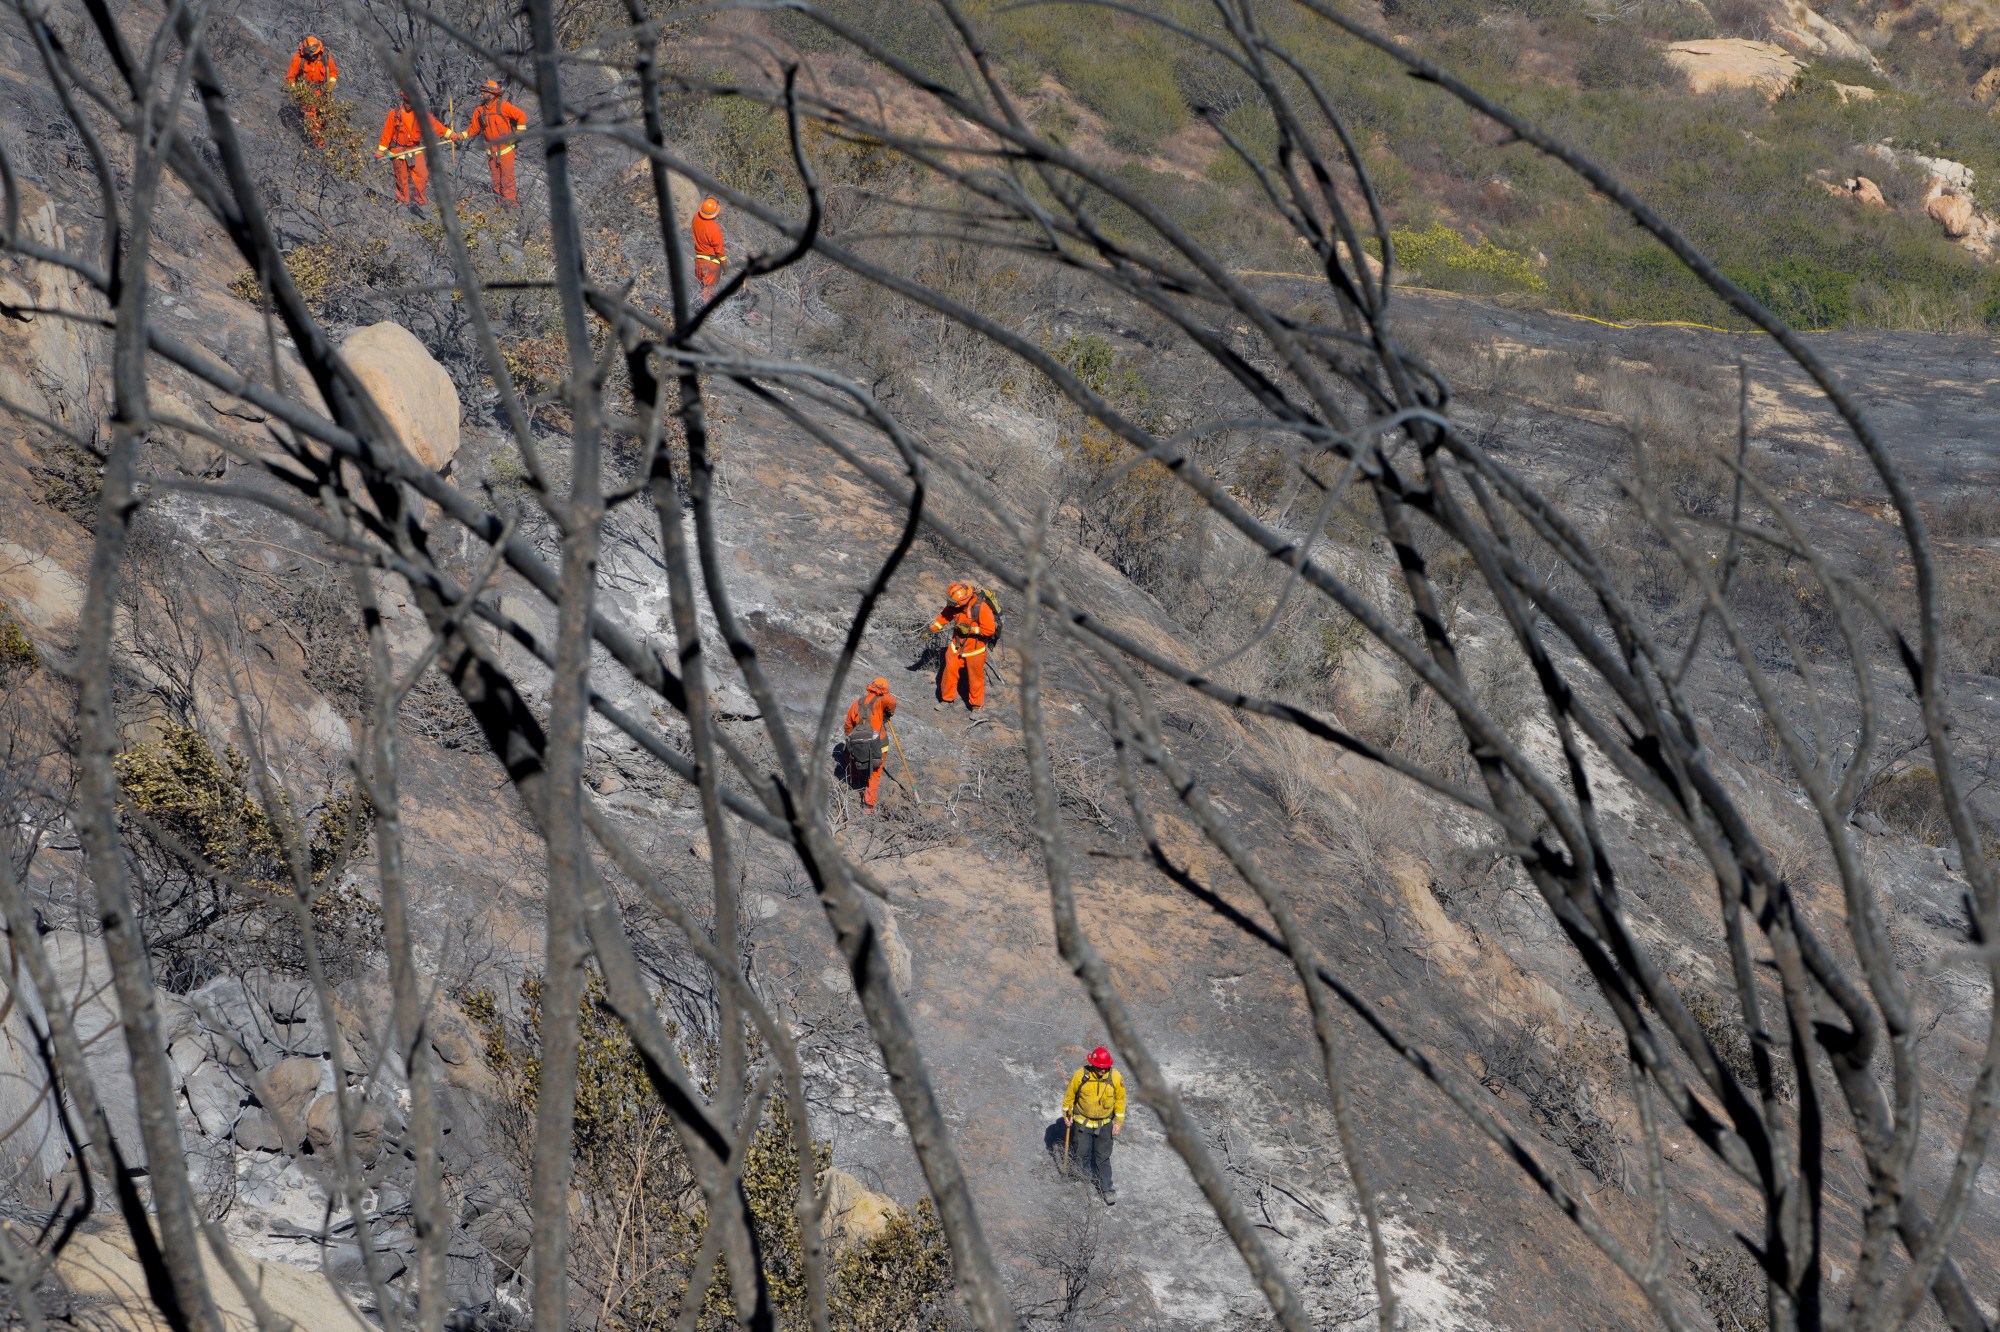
point(1731, 1286)
point(1462, 554)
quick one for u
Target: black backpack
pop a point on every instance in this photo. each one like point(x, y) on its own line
point(865, 749)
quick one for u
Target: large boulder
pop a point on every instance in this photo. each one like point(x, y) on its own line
point(410, 387)
point(855, 1213)
point(286, 1090)
point(1951, 210)
point(1722, 64)
point(1808, 33)
point(102, 1270)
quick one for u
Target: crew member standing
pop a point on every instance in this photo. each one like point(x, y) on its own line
point(499, 122)
point(711, 251)
point(311, 77)
point(1094, 1109)
point(974, 624)
point(867, 733)
point(404, 141)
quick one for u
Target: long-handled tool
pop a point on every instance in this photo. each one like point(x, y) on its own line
point(1066, 1169)
point(908, 781)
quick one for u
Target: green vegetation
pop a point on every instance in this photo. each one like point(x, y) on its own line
point(642, 1217)
point(1442, 255)
point(17, 651)
point(1741, 178)
point(217, 865)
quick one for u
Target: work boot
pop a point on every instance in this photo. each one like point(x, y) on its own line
point(1111, 1197)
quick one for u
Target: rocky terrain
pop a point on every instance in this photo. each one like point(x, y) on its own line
point(234, 615)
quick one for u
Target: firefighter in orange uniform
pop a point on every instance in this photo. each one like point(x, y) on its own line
point(499, 122)
point(867, 733)
point(711, 252)
point(974, 623)
point(403, 141)
point(312, 76)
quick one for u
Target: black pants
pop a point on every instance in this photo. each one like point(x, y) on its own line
point(1090, 1154)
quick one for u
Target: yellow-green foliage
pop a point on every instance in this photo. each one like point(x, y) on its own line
point(199, 800)
point(343, 151)
point(17, 653)
point(325, 272)
point(642, 1217)
point(1443, 256)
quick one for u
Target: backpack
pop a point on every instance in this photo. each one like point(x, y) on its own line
point(865, 749)
point(992, 604)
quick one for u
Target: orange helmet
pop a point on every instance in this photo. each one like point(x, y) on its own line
point(710, 208)
point(960, 593)
point(311, 45)
point(878, 685)
point(491, 87)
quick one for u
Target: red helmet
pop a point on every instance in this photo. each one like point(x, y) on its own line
point(1100, 1058)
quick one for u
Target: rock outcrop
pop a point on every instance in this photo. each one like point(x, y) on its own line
point(1806, 32)
point(102, 1268)
point(410, 387)
point(1724, 64)
point(1861, 190)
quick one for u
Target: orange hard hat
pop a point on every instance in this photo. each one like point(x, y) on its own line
point(710, 208)
point(491, 87)
point(878, 685)
point(310, 45)
point(1100, 1058)
point(959, 593)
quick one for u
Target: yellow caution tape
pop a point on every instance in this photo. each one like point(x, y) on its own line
point(1565, 314)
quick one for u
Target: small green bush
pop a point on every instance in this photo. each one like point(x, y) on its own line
point(17, 652)
point(1618, 56)
point(1444, 257)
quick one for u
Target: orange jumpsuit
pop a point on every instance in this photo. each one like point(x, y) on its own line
point(881, 706)
point(497, 121)
point(710, 251)
point(401, 136)
point(318, 73)
point(973, 629)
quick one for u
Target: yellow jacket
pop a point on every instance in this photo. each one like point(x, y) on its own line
point(1095, 1097)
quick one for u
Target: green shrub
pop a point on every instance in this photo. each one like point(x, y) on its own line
point(1618, 56)
point(1444, 257)
point(17, 652)
point(641, 1218)
point(1433, 14)
point(216, 867)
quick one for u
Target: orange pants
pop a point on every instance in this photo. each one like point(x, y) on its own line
point(413, 180)
point(973, 663)
point(872, 787)
point(501, 165)
point(311, 110)
point(708, 273)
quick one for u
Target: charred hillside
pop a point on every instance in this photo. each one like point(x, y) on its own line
point(1507, 790)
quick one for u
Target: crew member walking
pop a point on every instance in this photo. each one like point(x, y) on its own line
point(499, 122)
point(867, 736)
point(711, 251)
point(403, 141)
point(1094, 1110)
point(974, 623)
point(311, 77)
